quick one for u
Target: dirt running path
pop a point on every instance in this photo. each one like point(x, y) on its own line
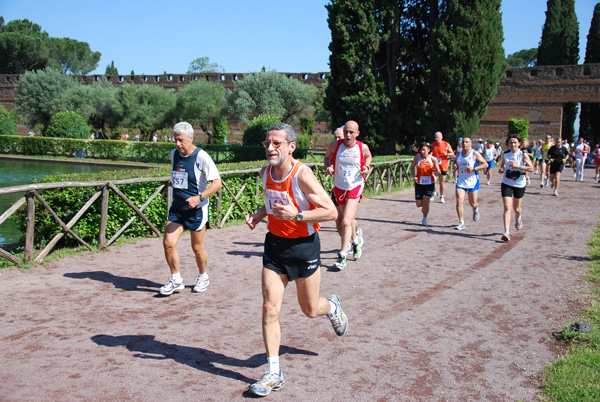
point(435, 314)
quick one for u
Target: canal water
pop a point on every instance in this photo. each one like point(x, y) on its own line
point(16, 172)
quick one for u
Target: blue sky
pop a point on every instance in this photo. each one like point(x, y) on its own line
point(151, 37)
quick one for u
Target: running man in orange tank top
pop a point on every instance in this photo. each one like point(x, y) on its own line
point(295, 203)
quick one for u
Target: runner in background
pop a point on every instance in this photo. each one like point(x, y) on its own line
point(490, 155)
point(581, 151)
point(596, 155)
point(442, 150)
point(558, 155)
point(468, 163)
point(339, 135)
point(349, 161)
point(545, 167)
point(513, 164)
point(427, 168)
point(531, 153)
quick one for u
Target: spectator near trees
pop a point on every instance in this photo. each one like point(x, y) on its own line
point(560, 46)
point(405, 72)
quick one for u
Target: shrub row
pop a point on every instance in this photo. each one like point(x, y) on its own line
point(129, 150)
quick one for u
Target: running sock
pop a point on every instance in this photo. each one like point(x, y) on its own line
point(204, 275)
point(332, 308)
point(177, 277)
point(274, 364)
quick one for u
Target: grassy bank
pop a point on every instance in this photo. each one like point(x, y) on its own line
point(575, 377)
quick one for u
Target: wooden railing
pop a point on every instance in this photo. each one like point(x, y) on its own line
point(384, 176)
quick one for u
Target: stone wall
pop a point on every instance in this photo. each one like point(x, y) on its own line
point(535, 93)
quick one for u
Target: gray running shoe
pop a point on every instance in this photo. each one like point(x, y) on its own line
point(461, 226)
point(424, 222)
point(476, 215)
point(267, 383)
point(201, 284)
point(359, 234)
point(338, 319)
point(340, 263)
point(519, 224)
point(170, 287)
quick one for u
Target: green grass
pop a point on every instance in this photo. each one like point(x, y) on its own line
point(575, 377)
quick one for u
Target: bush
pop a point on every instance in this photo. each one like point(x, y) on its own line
point(519, 127)
point(256, 131)
point(8, 122)
point(68, 125)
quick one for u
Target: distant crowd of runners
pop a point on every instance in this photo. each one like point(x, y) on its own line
point(518, 162)
point(295, 204)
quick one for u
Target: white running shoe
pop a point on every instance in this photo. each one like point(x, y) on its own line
point(461, 226)
point(488, 183)
point(201, 284)
point(424, 222)
point(170, 287)
point(476, 215)
point(433, 196)
point(267, 383)
point(442, 199)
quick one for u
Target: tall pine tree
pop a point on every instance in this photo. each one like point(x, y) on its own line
point(560, 46)
point(404, 69)
point(590, 112)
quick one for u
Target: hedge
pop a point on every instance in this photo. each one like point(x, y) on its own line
point(141, 151)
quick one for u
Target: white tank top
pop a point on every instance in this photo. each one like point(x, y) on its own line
point(465, 179)
point(518, 158)
point(348, 167)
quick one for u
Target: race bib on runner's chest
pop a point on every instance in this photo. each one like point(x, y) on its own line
point(275, 197)
point(179, 179)
point(425, 180)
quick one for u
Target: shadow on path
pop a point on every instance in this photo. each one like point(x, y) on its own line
point(120, 282)
point(147, 347)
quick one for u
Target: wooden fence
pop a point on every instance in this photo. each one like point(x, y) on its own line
point(384, 176)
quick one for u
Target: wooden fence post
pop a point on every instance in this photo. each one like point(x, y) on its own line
point(28, 253)
point(103, 218)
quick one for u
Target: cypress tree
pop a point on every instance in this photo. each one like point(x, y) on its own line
point(590, 112)
point(406, 68)
point(560, 46)
point(467, 62)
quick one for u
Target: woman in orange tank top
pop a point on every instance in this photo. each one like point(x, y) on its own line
point(424, 168)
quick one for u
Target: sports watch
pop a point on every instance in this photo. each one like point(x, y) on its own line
point(299, 217)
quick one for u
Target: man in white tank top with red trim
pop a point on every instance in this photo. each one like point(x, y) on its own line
point(295, 203)
point(348, 160)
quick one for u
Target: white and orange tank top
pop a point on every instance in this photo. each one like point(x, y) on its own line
point(287, 191)
point(348, 163)
point(425, 171)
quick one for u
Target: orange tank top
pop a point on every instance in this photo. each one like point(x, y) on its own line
point(284, 192)
point(425, 171)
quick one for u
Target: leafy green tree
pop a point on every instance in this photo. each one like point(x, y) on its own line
point(203, 65)
point(589, 118)
point(8, 122)
point(95, 102)
point(23, 47)
point(404, 70)
point(146, 107)
point(256, 132)
point(198, 102)
point(518, 126)
point(72, 56)
point(111, 69)
point(219, 129)
point(37, 93)
point(68, 125)
point(560, 46)
point(523, 58)
point(270, 93)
